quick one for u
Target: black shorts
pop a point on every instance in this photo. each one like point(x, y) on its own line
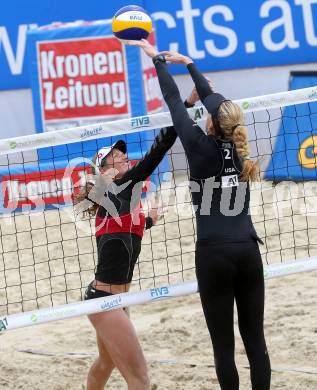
point(92, 293)
point(117, 255)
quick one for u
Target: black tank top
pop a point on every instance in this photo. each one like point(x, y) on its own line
point(222, 202)
point(220, 198)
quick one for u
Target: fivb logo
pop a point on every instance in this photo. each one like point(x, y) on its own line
point(82, 78)
point(140, 122)
point(159, 292)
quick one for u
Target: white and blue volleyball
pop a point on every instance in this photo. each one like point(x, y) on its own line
point(131, 23)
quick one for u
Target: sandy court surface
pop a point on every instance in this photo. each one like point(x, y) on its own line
point(176, 344)
point(48, 253)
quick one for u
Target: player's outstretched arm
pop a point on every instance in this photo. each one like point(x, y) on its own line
point(145, 167)
point(202, 84)
point(189, 133)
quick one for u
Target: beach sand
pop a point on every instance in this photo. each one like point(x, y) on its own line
point(49, 253)
point(176, 344)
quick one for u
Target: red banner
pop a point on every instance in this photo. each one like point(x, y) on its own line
point(39, 189)
point(152, 89)
point(82, 78)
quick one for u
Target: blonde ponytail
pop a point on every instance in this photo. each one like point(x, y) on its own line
point(231, 121)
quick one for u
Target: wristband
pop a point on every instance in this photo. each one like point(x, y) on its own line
point(158, 58)
point(148, 223)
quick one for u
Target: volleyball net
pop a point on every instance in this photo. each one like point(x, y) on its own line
point(48, 251)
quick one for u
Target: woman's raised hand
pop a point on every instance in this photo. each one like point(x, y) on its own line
point(149, 49)
point(157, 209)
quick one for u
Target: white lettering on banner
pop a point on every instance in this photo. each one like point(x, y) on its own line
point(308, 20)
point(225, 31)
point(86, 64)
point(78, 80)
point(170, 23)
point(151, 87)
point(183, 22)
point(284, 21)
point(41, 189)
point(188, 13)
point(16, 60)
point(78, 95)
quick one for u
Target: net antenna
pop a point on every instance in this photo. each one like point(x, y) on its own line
point(48, 254)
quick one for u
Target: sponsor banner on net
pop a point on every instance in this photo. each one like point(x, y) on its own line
point(285, 269)
point(147, 122)
point(140, 122)
point(283, 99)
point(111, 303)
point(159, 293)
point(52, 315)
point(91, 133)
point(32, 143)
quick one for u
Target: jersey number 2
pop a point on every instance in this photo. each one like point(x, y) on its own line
point(227, 154)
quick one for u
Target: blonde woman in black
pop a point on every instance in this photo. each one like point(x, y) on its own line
point(228, 261)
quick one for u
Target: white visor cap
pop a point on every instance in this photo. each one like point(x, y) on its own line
point(103, 152)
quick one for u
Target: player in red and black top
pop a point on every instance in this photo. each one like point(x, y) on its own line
point(114, 196)
point(120, 220)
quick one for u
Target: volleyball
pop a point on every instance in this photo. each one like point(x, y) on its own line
point(131, 23)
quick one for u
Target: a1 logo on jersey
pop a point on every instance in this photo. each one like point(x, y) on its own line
point(229, 181)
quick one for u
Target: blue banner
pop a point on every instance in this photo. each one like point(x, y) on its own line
point(295, 150)
point(217, 35)
point(19, 16)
